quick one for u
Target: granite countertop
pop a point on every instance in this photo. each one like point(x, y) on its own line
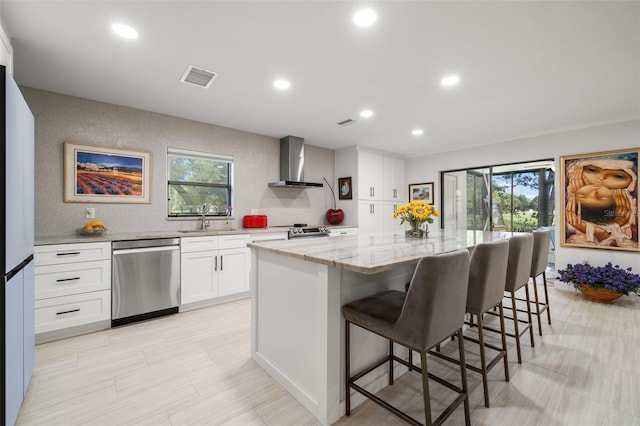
point(373, 253)
point(108, 236)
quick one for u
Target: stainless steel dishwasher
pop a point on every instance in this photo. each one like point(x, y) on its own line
point(145, 279)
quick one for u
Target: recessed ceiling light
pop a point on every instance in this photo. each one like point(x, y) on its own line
point(417, 132)
point(281, 84)
point(124, 31)
point(365, 17)
point(450, 80)
point(366, 113)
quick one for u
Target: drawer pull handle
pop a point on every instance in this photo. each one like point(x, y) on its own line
point(69, 253)
point(68, 312)
point(67, 280)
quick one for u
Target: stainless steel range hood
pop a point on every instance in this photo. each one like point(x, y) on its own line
point(292, 165)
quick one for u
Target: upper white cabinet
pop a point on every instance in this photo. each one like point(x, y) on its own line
point(378, 187)
point(370, 177)
point(393, 187)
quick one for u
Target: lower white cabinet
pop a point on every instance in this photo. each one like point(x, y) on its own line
point(72, 285)
point(335, 232)
point(70, 311)
point(213, 266)
point(370, 216)
point(234, 271)
point(376, 216)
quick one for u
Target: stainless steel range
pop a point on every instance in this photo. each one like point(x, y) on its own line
point(302, 230)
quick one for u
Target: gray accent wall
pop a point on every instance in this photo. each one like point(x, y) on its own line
point(61, 118)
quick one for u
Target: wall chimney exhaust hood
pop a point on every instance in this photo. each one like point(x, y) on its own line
point(292, 165)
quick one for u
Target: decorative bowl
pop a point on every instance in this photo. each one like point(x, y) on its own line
point(91, 232)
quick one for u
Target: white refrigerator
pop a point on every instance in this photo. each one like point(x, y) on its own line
point(16, 242)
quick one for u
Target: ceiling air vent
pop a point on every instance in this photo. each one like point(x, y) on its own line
point(198, 77)
point(347, 122)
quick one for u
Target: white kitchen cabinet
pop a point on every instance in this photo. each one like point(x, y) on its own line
point(336, 232)
point(198, 276)
point(393, 185)
point(370, 176)
point(378, 186)
point(370, 216)
point(234, 271)
point(390, 224)
point(72, 288)
point(213, 267)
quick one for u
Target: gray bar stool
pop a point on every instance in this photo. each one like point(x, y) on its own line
point(487, 275)
point(541, 244)
point(518, 269)
point(432, 310)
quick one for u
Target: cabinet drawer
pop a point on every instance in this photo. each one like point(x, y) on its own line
point(73, 278)
point(233, 241)
point(58, 254)
point(70, 311)
point(191, 244)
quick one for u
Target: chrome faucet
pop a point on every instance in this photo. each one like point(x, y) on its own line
point(205, 223)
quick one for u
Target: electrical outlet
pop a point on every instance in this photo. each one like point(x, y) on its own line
point(90, 213)
point(254, 211)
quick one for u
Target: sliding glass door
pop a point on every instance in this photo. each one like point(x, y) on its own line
point(512, 197)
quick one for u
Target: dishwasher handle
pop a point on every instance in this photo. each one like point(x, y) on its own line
point(144, 250)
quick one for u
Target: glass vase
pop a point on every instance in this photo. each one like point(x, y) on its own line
point(417, 231)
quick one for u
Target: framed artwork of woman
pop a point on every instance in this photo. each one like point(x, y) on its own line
point(599, 202)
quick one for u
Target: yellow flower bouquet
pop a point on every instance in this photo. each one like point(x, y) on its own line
point(415, 214)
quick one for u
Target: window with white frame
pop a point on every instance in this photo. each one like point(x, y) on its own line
point(199, 182)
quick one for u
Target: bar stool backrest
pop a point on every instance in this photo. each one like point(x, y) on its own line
point(434, 307)
point(541, 242)
point(520, 255)
point(487, 273)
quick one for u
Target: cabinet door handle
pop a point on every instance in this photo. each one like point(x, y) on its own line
point(67, 280)
point(221, 262)
point(395, 193)
point(69, 253)
point(216, 267)
point(71, 311)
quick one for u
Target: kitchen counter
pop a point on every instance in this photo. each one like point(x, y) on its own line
point(108, 236)
point(374, 253)
point(298, 287)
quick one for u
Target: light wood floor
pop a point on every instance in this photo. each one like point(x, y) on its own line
point(195, 368)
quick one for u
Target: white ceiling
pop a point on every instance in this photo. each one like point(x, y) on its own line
point(527, 68)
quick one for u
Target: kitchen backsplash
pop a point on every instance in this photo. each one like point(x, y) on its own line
point(61, 118)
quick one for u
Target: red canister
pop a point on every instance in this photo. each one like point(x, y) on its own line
point(254, 221)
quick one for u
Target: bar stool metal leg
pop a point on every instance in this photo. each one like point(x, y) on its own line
point(347, 351)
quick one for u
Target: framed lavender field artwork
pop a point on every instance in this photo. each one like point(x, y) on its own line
point(94, 174)
point(599, 200)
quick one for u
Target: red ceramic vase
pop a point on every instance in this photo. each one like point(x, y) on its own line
point(335, 216)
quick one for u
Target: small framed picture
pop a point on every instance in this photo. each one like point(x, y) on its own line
point(344, 188)
point(421, 192)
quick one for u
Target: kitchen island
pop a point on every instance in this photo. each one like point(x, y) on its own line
point(298, 289)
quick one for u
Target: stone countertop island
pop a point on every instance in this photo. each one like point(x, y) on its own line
point(298, 289)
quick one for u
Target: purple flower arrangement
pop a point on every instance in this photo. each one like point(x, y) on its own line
point(610, 277)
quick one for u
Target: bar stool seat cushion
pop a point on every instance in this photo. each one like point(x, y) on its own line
point(378, 312)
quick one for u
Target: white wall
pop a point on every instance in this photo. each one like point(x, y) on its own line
point(593, 139)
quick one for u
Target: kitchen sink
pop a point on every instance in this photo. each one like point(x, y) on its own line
point(206, 231)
